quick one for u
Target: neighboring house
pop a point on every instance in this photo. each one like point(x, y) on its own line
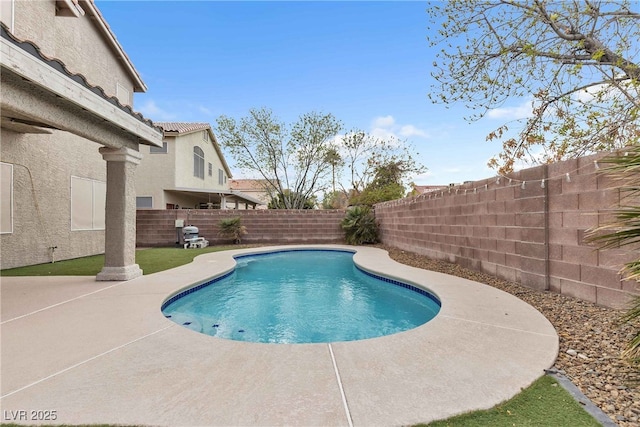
point(188, 171)
point(256, 188)
point(423, 189)
point(70, 139)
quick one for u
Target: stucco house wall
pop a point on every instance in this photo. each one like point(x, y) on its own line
point(184, 163)
point(42, 170)
point(160, 174)
point(76, 42)
point(156, 172)
point(46, 162)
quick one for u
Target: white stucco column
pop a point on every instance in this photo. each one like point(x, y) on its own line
point(120, 215)
point(223, 201)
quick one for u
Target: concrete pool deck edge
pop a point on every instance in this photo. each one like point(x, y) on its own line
point(69, 342)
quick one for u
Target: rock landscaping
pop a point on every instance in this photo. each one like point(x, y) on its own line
point(591, 340)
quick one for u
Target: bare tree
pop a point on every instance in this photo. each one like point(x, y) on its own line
point(576, 60)
point(293, 162)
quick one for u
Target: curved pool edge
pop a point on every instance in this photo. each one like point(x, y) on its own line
point(480, 332)
point(194, 322)
point(459, 297)
point(481, 349)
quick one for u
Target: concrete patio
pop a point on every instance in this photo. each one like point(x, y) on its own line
point(102, 352)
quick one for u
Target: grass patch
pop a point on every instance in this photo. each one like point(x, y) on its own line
point(150, 261)
point(544, 403)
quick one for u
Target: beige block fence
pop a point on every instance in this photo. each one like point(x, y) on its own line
point(527, 227)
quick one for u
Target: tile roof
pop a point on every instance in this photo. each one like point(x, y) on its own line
point(58, 65)
point(182, 127)
point(248, 184)
point(422, 189)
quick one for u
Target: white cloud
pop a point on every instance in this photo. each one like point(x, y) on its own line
point(605, 91)
point(151, 110)
point(385, 127)
point(383, 122)
point(521, 111)
point(408, 131)
point(383, 133)
point(337, 140)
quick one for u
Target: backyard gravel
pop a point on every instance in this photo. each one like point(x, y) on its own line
point(591, 340)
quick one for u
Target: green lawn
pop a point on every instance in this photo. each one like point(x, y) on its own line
point(150, 261)
point(544, 403)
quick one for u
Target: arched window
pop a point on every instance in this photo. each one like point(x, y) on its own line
point(198, 162)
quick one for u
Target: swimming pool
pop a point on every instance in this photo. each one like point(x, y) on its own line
point(300, 296)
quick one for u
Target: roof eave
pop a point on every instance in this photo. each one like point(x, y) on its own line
point(139, 85)
point(214, 141)
point(32, 67)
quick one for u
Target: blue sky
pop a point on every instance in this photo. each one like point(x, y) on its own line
point(367, 63)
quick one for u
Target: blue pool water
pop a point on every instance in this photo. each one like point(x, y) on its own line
point(301, 296)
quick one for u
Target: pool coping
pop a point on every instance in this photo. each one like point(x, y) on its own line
point(67, 350)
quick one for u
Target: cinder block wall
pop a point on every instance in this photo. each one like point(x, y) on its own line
point(520, 229)
point(515, 227)
point(157, 227)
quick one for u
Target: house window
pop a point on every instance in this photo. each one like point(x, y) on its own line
point(220, 177)
point(6, 198)
point(198, 162)
point(210, 169)
point(205, 135)
point(159, 150)
point(88, 202)
point(144, 202)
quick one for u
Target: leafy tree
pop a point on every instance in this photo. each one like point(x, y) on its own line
point(295, 158)
point(386, 185)
point(335, 200)
point(625, 231)
point(367, 157)
point(373, 194)
point(333, 158)
point(413, 191)
point(288, 198)
point(576, 60)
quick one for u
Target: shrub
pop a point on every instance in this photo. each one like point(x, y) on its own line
point(232, 227)
point(360, 226)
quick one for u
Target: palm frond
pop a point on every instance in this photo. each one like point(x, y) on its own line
point(625, 231)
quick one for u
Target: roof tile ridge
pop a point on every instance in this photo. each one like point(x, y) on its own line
point(57, 64)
